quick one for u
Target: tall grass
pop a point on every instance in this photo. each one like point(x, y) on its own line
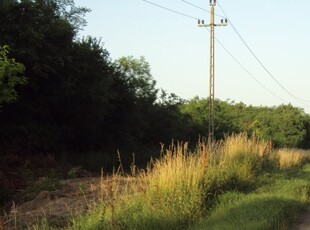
point(290, 158)
point(169, 194)
point(240, 144)
point(240, 160)
point(180, 187)
point(175, 183)
point(173, 192)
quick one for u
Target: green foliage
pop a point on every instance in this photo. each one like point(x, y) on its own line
point(153, 118)
point(226, 119)
point(77, 99)
point(10, 77)
point(139, 78)
point(89, 96)
point(71, 13)
point(284, 125)
point(39, 39)
point(197, 110)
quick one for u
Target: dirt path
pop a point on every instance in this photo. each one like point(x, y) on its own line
point(73, 199)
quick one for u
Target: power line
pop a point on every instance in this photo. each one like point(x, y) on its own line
point(198, 7)
point(212, 25)
point(248, 72)
point(168, 9)
point(230, 54)
point(221, 44)
point(260, 62)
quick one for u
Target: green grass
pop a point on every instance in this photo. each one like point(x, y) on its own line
point(274, 205)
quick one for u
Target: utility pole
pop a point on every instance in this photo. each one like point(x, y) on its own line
point(211, 83)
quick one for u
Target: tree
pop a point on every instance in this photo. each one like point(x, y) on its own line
point(71, 13)
point(95, 98)
point(285, 125)
point(139, 77)
point(41, 35)
point(306, 142)
point(11, 75)
point(152, 119)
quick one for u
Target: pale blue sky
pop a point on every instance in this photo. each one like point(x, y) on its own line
point(278, 32)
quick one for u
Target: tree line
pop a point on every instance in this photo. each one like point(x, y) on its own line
point(63, 93)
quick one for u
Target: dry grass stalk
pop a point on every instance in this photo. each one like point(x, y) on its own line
point(289, 158)
point(241, 144)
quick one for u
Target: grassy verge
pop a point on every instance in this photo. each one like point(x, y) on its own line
point(240, 183)
point(276, 204)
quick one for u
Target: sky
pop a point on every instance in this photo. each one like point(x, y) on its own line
point(277, 32)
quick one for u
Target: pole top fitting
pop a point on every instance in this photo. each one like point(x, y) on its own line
point(212, 2)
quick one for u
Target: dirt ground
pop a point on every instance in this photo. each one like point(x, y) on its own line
point(73, 199)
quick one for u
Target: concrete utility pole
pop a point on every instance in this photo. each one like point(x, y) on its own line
point(211, 84)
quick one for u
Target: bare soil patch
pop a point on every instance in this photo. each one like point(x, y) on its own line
point(75, 198)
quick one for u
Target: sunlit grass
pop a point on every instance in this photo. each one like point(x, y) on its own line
point(241, 159)
point(289, 158)
point(173, 190)
point(183, 185)
point(169, 194)
point(175, 183)
point(237, 144)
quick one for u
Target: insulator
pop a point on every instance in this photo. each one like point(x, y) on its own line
point(198, 21)
point(226, 20)
point(222, 21)
point(203, 22)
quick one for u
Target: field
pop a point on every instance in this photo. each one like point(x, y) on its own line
point(238, 183)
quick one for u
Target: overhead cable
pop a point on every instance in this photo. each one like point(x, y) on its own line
point(248, 72)
point(220, 43)
point(260, 62)
point(168, 9)
point(198, 7)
